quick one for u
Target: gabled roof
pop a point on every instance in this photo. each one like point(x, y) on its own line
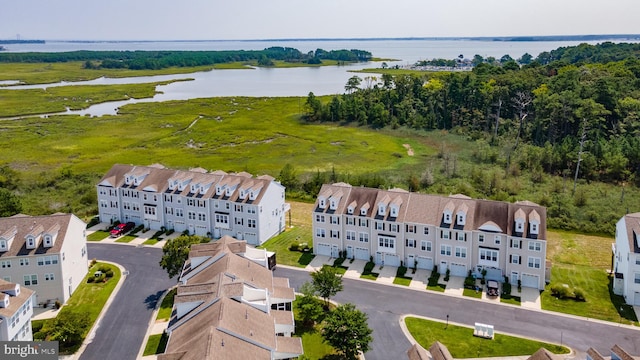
point(15, 302)
point(632, 223)
point(24, 226)
point(544, 354)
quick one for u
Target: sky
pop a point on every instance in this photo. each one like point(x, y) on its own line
point(287, 19)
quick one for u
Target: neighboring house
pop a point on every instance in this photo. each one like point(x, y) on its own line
point(229, 306)
point(196, 201)
point(16, 308)
point(396, 227)
point(47, 254)
point(626, 259)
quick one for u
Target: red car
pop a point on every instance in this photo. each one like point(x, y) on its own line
point(122, 229)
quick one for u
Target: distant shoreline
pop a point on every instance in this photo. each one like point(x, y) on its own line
point(533, 38)
point(9, 42)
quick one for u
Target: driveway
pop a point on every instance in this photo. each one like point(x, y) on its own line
point(122, 330)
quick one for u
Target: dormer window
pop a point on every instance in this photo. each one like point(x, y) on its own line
point(3, 245)
point(47, 241)
point(519, 225)
point(382, 209)
point(333, 204)
point(447, 218)
point(127, 180)
point(229, 191)
point(394, 211)
point(321, 203)
point(242, 194)
point(460, 218)
point(194, 188)
point(31, 242)
point(219, 189)
point(350, 210)
point(533, 228)
point(253, 195)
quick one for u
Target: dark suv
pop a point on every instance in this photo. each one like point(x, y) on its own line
point(122, 229)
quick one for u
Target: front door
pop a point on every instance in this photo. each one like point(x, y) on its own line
point(514, 278)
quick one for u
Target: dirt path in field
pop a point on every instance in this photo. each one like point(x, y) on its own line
point(409, 149)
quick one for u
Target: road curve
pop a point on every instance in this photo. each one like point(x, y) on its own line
point(121, 331)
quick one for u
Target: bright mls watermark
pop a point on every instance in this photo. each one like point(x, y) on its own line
point(31, 350)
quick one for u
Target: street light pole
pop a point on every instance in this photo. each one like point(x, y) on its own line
point(447, 322)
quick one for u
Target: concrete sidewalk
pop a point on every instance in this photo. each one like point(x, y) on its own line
point(455, 286)
point(356, 268)
point(420, 279)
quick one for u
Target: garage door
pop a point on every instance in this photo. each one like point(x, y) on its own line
point(531, 281)
point(362, 254)
point(458, 270)
point(424, 263)
point(322, 249)
point(391, 260)
point(637, 299)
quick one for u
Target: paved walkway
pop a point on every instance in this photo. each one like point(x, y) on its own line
point(386, 274)
point(356, 268)
point(420, 279)
point(530, 298)
point(455, 286)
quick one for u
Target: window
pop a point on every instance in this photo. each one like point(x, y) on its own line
point(461, 236)
point(379, 225)
point(335, 234)
point(321, 203)
point(350, 220)
point(519, 225)
point(351, 235)
point(202, 216)
point(480, 237)
point(5, 264)
point(251, 210)
point(447, 218)
point(363, 222)
point(48, 277)
point(425, 245)
point(394, 228)
point(179, 212)
point(191, 202)
point(135, 207)
point(30, 280)
point(411, 229)
point(426, 230)
point(251, 223)
point(126, 205)
point(488, 255)
point(168, 210)
point(364, 237)
point(637, 260)
point(386, 242)
point(150, 210)
point(445, 234)
point(24, 262)
point(496, 239)
point(319, 218)
point(515, 259)
point(534, 262)
point(47, 260)
point(445, 250)
point(191, 215)
point(334, 220)
point(239, 221)
point(222, 219)
point(461, 251)
point(535, 246)
point(411, 243)
point(637, 278)
point(320, 233)
point(515, 243)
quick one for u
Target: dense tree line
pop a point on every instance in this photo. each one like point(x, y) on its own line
point(153, 60)
point(567, 106)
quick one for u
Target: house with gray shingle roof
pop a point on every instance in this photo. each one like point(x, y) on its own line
point(395, 227)
point(201, 203)
point(16, 309)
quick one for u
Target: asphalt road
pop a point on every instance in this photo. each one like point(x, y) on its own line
point(122, 330)
point(385, 304)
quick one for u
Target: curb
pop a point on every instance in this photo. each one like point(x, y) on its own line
point(152, 321)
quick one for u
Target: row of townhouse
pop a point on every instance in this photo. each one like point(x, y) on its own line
point(47, 254)
point(626, 259)
point(195, 201)
point(396, 227)
point(229, 305)
point(16, 308)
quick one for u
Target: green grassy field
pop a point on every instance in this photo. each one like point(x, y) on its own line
point(472, 293)
point(164, 312)
point(462, 344)
point(97, 236)
point(155, 344)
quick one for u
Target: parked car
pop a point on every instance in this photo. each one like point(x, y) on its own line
point(492, 288)
point(122, 229)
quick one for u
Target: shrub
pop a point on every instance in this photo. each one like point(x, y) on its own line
point(90, 279)
point(294, 247)
point(560, 291)
point(578, 295)
point(446, 274)
point(58, 304)
point(401, 271)
point(170, 231)
point(93, 261)
point(109, 274)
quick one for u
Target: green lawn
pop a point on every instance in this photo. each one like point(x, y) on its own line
point(402, 280)
point(300, 218)
point(312, 342)
point(125, 238)
point(88, 300)
point(508, 299)
point(367, 273)
point(472, 293)
point(581, 261)
point(437, 287)
point(339, 269)
point(462, 344)
point(98, 236)
point(164, 312)
point(156, 344)
point(152, 241)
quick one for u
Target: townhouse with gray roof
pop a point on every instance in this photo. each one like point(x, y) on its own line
point(230, 306)
point(626, 259)
point(201, 203)
point(47, 254)
point(396, 227)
